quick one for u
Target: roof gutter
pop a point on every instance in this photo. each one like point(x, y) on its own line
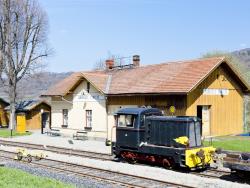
point(147, 94)
point(71, 102)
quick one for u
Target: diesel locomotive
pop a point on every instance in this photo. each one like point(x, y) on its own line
point(144, 134)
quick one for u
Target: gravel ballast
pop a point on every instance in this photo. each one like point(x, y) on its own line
point(76, 181)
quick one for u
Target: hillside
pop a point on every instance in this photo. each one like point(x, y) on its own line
point(33, 86)
point(244, 57)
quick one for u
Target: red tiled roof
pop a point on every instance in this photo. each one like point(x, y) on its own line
point(174, 77)
point(64, 86)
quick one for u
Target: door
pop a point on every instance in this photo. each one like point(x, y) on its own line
point(65, 114)
point(21, 123)
point(126, 131)
point(45, 120)
point(206, 131)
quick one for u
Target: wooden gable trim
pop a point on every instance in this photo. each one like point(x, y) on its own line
point(234, 71)
point(82, 77)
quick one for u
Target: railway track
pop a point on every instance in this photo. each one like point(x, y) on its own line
point(108, 176)
point(210, 173)
point(59, 150)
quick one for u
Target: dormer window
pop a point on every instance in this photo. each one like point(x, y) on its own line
point(88, 87)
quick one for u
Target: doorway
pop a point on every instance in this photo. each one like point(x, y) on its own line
point(46, 120)
point(203, 112)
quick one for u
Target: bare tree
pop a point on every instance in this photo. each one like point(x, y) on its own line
point(23, 34)
point(118, 61)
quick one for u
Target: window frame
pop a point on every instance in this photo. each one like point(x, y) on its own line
point(91, 118)
point(65, 122)
point(88, 87)
point(133, 118)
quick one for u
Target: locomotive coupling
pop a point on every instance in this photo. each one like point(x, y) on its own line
point(201, 154)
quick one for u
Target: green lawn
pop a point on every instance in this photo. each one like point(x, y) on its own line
point(13, 178)
point(4, 133)
point(235, 143)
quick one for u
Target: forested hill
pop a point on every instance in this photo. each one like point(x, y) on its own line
point(244, 57)
point(33, 86)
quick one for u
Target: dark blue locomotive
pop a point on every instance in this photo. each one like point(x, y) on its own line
point(144, 134)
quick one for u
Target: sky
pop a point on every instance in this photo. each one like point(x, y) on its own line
point(81, 32)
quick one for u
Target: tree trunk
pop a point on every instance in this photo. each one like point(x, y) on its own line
point(12, 97)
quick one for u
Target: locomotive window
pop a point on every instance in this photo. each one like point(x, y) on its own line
point(126, 121)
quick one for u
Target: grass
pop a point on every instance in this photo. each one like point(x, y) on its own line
point(234, 143)
point(13, 178)
point(5, 133)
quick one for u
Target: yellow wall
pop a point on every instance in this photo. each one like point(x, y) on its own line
point(33, 117)
point(158, 101)
point(3, 115)
point(226, 112)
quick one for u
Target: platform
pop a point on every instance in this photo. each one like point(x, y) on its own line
point(59, 141)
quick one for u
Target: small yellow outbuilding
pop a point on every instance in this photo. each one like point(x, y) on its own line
point(3, 115)
point(32, 115)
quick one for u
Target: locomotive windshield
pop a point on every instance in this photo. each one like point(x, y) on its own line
point(126, 120)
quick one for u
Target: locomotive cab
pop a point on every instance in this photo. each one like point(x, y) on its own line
point(130, 128)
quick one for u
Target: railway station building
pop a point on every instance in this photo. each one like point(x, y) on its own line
point(208, 88)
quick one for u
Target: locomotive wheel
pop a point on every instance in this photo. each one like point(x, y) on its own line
point(29, 158)
point(129, 157)
point(131, 161)
point(19, 156)
point(167, 163)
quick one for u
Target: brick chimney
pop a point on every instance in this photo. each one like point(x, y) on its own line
point(109, 64)
point(136, 60)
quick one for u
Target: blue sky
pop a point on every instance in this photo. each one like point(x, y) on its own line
point(84, 31)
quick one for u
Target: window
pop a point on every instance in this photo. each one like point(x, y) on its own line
point(65, 117)
point(126, 120)
point(88, 87)
point(88, 118)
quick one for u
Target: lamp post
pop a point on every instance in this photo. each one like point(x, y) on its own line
point(42, 120)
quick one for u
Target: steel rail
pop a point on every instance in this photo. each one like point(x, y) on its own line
point(60, 150)
point(98, 173)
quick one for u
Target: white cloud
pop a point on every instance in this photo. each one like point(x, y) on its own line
point(243, 45)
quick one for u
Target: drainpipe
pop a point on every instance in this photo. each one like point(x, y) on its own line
point(107, 142)
point(66, 100)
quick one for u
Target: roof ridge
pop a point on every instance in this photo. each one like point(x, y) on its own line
point(184, 61)
point(152, 65)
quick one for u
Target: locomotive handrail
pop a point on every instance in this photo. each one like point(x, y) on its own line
point(112, 133)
